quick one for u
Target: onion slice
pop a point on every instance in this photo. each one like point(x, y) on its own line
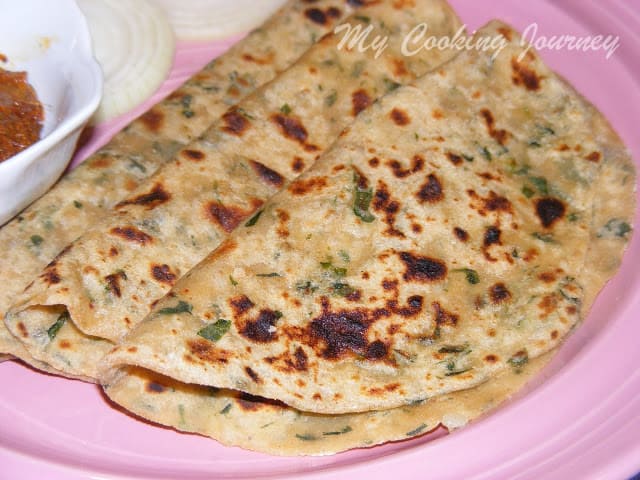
point(199, 20)
point(134, 44)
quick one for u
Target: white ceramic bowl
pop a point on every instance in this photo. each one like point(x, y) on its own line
point(50, 41)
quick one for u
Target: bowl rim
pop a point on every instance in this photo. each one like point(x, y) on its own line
point(84, 60)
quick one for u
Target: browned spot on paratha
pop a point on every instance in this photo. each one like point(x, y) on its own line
point(289, 363)
point(252, 403)
point(132, 234)
point(417, 163)
point(235, 123)
point(548, 305)
point(241, 305)
point(549, 210)
point(262, 328)
point(594, 157)
point(51, 276)
point(291, 127)
point(421, 268)
point(499, 293)
point(454, 158)
point(152, 119)
point(283, 218)
point(524, 76)
point(101, 162)
point(191, 154)
point(491, 237)
point(384, 203)
point(499, 135)
point(303, 186)
point(113, 282)
point(64, 344)
point(267, 175)
point(253, 375)
point(340, 333)
point(316, 16)
point(444, 317)
point(163, 274)
point(360, 100)
point(228, 217)
point(401, 4)
point(297, 165)
point(505, 32)
point(431, 190)
point(547, 277)
point(225, 248)
point(207, 351)
point(491, 358)
point(157, 196)
point(492, 203)
point(22, 330)
point(461, 234)
point(400, 117)
point(266, 60)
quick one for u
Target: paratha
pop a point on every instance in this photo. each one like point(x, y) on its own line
point(108, 279)
point(248, 422)
point(440, 241)
point(237, 419)
point(33, 238)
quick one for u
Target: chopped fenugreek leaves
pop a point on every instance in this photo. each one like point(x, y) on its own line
point(36, 240)
point(361, 200)
point(254, 219)
point(181, 307)
point(544, 237)
point(55, 328)
point(519, 360)
point(416, 430)
point(342, 289)
point(330, 99)
point(615, 227)
point(216, 330)
point(286, 109)
point(346, 429)
point(472, 276)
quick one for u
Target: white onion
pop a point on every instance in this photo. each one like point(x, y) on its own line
point(213, 19)
point(134, 44)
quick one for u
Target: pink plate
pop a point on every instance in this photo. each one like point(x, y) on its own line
point(580, 420)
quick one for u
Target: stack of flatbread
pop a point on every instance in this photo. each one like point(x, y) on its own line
point(366, 246)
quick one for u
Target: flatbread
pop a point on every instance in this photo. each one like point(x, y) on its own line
point(237, 419)
point(439, 242)
point(109, 278)
point(33, 238)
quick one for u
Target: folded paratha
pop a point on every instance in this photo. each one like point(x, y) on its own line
point(439, 242)
point(237, 419)
point(33, 238)
point(249, 422)
point(108, 279)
